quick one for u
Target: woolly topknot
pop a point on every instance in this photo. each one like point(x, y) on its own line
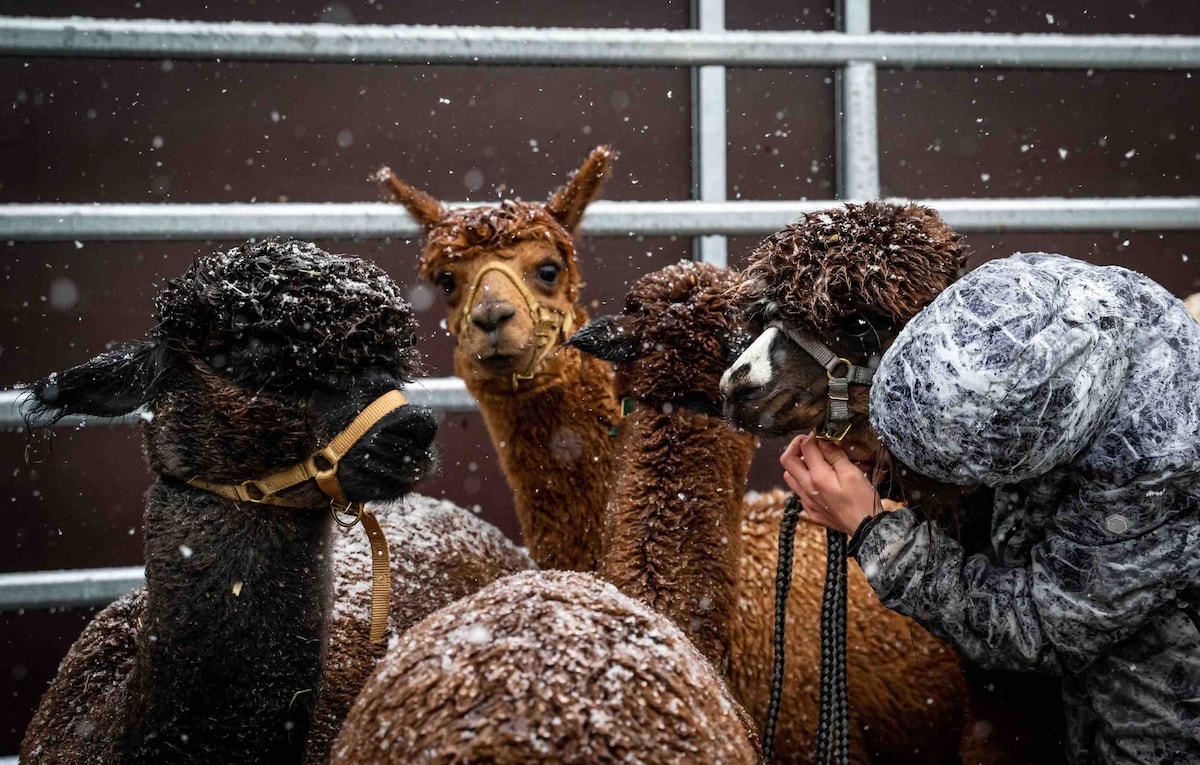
point(286, 314)
point(884, 259)
point(687, 328)
point(488, 231)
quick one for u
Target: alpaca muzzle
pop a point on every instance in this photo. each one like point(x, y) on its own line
point(548, 323)
point(323, 468)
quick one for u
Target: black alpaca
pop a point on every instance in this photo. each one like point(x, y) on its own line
point(261, 355)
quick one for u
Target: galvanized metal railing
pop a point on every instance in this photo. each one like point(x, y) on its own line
point(855, 50)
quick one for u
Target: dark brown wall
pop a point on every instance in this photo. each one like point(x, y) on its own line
point(83, 130)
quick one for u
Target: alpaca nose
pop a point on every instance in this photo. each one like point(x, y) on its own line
point(421, 425)
point(490, 314)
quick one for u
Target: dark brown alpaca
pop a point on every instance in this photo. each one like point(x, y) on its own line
point(259, 357)
point(673, 521)
point(852, 277)
point(678, 539)
point(547, 408)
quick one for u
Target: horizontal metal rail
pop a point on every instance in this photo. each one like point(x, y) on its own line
point(445, 394)
point(74, 587)
point(143, 38)
point(85, 222)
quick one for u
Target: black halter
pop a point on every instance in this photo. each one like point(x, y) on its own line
point(837, 417)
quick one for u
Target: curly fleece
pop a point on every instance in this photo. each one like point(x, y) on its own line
point(289, 313)
point(875, 258)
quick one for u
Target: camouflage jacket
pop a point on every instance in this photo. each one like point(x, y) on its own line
point(1074, 391)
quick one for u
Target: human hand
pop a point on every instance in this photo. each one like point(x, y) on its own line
point(833, 491)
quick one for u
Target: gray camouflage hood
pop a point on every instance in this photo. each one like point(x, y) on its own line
point(1074, 390)
point(1038, 361)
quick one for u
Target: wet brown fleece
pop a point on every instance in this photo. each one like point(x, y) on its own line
point(551, 434)
point(672, 524)
point(545, 667)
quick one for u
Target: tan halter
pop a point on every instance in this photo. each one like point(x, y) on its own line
point(323, 467)
point(547, 322)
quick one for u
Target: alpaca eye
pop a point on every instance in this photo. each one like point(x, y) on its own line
point(548, 273)
point(445, 280)
point(859, 334)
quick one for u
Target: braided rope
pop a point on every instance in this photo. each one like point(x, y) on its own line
point(834, 641)
point(833, 725)
point(783, 584)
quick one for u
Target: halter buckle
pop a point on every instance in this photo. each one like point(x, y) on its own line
point(827, 434)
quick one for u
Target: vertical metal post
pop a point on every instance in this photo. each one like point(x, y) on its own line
point(855, 99)
point(708, 133)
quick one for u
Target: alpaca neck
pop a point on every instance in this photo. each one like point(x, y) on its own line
point(556, 453)
point(673, 526)
point(230, 646)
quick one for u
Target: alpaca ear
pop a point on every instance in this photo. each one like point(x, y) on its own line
point(607, 338)
point(427, 210)
point(568, 203)
point(110, 385)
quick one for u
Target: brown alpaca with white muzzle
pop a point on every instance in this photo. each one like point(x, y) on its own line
point(850, 278)
point(676, 536)
point(511, 282)
point(263, 356)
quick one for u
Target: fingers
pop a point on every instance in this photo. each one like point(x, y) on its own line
point(797, 477)
point(840, 461)
point(791, 455)
point(823, 475)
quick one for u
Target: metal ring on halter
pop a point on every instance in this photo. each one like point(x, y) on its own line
point(336, 507)
point(837, 362)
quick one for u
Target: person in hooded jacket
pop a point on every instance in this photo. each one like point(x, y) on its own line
point(1073, 391)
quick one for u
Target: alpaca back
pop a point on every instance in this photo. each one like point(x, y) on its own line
point(545, 667)
point(83, 713)
point(440, 553)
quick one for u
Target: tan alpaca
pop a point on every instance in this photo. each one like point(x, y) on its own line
point(511, 284)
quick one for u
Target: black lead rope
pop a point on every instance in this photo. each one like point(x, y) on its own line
point(833, 728)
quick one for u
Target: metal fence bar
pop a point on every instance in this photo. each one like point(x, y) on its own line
point(73, 587)
point(445, 394)
point(153, 38)
point(858, 134)
point(709, 129)
point(201, 222)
